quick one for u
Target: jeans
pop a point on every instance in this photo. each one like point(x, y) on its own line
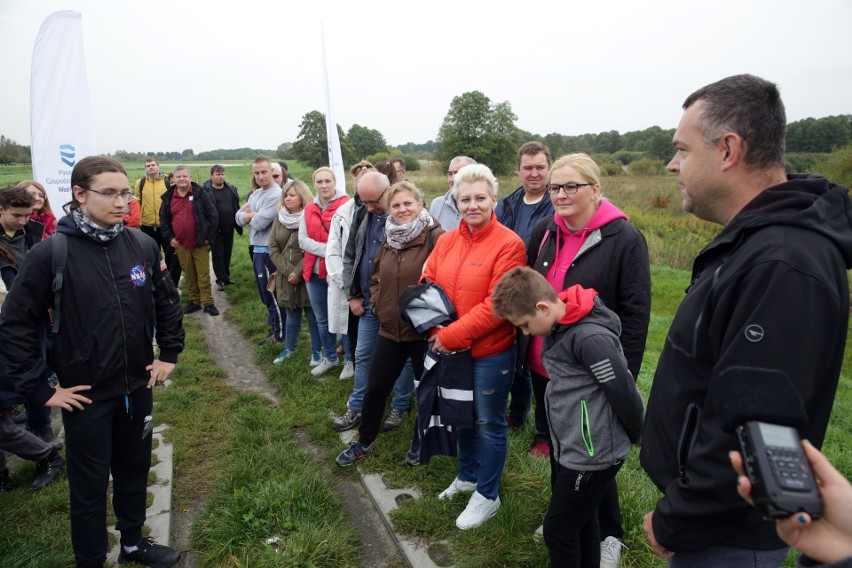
point(318, 293)
point(571, 524)
point(294, 326)
point(263, 269)
point(104, 439)
point(482, 450)
point(368, 331)
point(724, 556)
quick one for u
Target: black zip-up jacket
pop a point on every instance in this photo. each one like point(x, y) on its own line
point(769, 291)
point(203, 209)
point(235, 200)
point(614, 262)
point(109, 308)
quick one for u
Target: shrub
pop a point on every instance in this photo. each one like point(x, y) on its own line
point(837, 166)
point(611, 168)
point(647, 167)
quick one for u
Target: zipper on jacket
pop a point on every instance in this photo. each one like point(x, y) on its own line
point(688, 434)
point(121, 319)
point(586, 429)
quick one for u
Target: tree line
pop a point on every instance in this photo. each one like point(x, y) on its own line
point(477, 127)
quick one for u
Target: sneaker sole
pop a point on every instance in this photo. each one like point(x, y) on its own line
point(343, 428)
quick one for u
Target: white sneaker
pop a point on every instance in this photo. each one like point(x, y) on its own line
point(457, 486)
point(325, 365)
point(348, 370)
point(610, 552)
point(479, 509)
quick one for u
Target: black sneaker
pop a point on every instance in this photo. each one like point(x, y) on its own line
point(48, 470)
point(191, 308)
point(150, 554)
point(220, 286)
point(211, 310)
point(47, 436)
point(6, 484)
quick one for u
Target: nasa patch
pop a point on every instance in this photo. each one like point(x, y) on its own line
point(137, 276)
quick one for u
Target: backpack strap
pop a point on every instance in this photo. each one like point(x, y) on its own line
point(59, 253)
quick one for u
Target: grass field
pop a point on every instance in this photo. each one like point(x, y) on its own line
point(241, 455)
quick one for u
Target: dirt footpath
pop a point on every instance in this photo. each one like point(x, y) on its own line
point(233, 353)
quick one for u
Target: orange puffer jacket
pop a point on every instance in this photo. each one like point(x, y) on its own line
point(467, 266)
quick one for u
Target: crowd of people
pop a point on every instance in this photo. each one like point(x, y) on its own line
point(489, 307)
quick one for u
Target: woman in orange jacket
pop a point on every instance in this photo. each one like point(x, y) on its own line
point(467, 262)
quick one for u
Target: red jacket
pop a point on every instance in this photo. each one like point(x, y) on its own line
point(317, 223)
point(467, 266)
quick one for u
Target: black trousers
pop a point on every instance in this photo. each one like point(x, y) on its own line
point(388, 361)
point(107, 437)
point(169, 255)
point(571, 530)
point(221, 251)
point(609, 510)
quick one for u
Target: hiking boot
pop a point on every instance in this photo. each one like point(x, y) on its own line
point(348, 370)
point(354, 452)
point(457, 486)
point(325, 365)
point(220, 286)
point(268, 339)
point(540, 449)
point(281, 356)
point(47, 436)
point(610, 552)
point(346, 422)
point(479, 509)
point(210, 310)
point(6, 483)
point(316, 358)
point(48, 470)
point(191, 308)
point(394, 420)
point(150, 554)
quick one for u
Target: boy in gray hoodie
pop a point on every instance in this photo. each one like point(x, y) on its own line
point(593, 407)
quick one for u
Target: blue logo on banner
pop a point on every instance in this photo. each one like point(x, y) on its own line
point(66, 154)
point(137, 276)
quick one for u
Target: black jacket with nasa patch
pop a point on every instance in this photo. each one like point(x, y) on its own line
point(769, 291)
point(114, 293)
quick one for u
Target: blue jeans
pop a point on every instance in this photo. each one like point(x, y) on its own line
point(482, 450)
point(403, 388)
point(723, 556)
point(294, 326)
point(318, 293)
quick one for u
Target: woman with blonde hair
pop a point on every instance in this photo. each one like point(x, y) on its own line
point(285, 253)
point(313, 238)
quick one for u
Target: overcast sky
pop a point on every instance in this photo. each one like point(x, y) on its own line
point(177, 74)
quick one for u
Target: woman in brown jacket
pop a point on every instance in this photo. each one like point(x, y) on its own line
point(410, 236)
point(284, 252)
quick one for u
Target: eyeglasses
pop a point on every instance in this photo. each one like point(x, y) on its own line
point(374, 201)
point(38, 195)
point(276, 176)
point(569, 188)
point(124, 195)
